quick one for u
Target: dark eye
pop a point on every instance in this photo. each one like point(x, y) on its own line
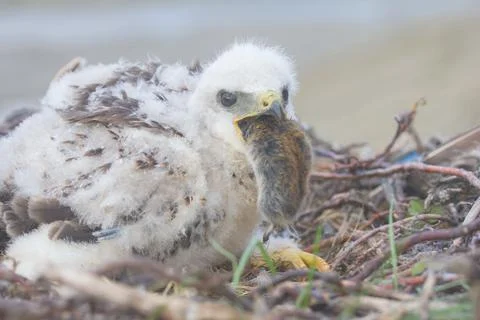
point(285, 94)
point(227, 99)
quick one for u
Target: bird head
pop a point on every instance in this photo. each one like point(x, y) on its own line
point(246, 80)
point(245, 99)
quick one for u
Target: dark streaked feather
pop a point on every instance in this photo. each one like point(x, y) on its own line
point(13, 224)
point(43, 210)
point(195, 67)
point(94, 152)
point(115, 111)
point(14, 119)
point(68, 230)
point(19, 206)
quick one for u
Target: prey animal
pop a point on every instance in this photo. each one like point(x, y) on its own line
point(281, 157)
point(158, 160)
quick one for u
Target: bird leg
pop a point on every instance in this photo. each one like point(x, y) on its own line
point(291, 257)
point(283, 251)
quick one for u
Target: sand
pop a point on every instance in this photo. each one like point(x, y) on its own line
point(355, 72)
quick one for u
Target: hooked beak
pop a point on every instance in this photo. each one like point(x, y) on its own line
point(268, 103)
point(276, 110)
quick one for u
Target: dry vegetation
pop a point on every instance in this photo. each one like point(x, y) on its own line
point(400, 236)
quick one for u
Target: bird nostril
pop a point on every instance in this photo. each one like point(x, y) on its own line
point(265, 103)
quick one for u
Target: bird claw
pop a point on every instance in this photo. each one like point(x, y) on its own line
point(293, 258)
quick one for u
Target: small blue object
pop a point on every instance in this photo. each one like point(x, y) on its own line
point(107, 234)
point(412, 156)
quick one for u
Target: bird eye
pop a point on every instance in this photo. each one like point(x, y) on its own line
point(285, 94)
point(227, 99)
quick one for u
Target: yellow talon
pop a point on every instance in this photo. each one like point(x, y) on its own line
point(295, 258)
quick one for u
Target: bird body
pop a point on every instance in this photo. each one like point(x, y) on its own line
point(148, 149)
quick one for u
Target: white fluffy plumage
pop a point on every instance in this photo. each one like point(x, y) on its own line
point(146, 147)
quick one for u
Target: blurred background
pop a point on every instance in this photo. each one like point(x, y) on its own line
point(359, 62)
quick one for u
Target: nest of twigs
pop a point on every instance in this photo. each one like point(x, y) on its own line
point(400, 235)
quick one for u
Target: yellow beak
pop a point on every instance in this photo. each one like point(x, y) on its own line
point(269, 102)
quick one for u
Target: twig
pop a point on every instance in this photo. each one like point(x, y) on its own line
point(428, 290)
point(329, 242)
point(337, 201)
point(386, 306)
point(473, 213)
point(375, 291)
point(408, 242)
point(213, 283)
point(22, 309)
point(373, 218)
point(144, 302)
point(290, 312)
point(369, 234)
point(400, 168)
point(404, 121)
point(328, 277)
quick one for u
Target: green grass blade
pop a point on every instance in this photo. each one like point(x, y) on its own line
point(393, 247)
point(242, 264)
point(268, 260)
point(227, 254)
point(303, 298)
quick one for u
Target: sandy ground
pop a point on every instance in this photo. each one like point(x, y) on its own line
point(355, 76)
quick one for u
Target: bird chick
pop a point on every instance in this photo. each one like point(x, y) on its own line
point(154, 161)
point(281, 157)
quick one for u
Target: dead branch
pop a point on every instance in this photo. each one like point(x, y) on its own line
point(144, 302)
point(22, 309)
point(213, 283)
point(328, 277)
point(404, 122)
point(337, 201)
point(473, 213)
point(374, 291)
point(428, 290)
point(422, 217)
point(408, 242)
point(290, 312)
point(469, 176)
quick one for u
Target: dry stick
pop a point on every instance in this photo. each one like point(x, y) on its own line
point(214, 284)
point(400, 168)
point(404, 122)
point(333, 279)
point(408, 242)
point(373, 218)
point(386, 306)
point(171, 307)
point(286, 311)
point(471, 215)
point(371, 233)
point(375, 291)
point(329, 242)
point(335, 202)
point(328, 277)
point(23, 309)
point(428, 290)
